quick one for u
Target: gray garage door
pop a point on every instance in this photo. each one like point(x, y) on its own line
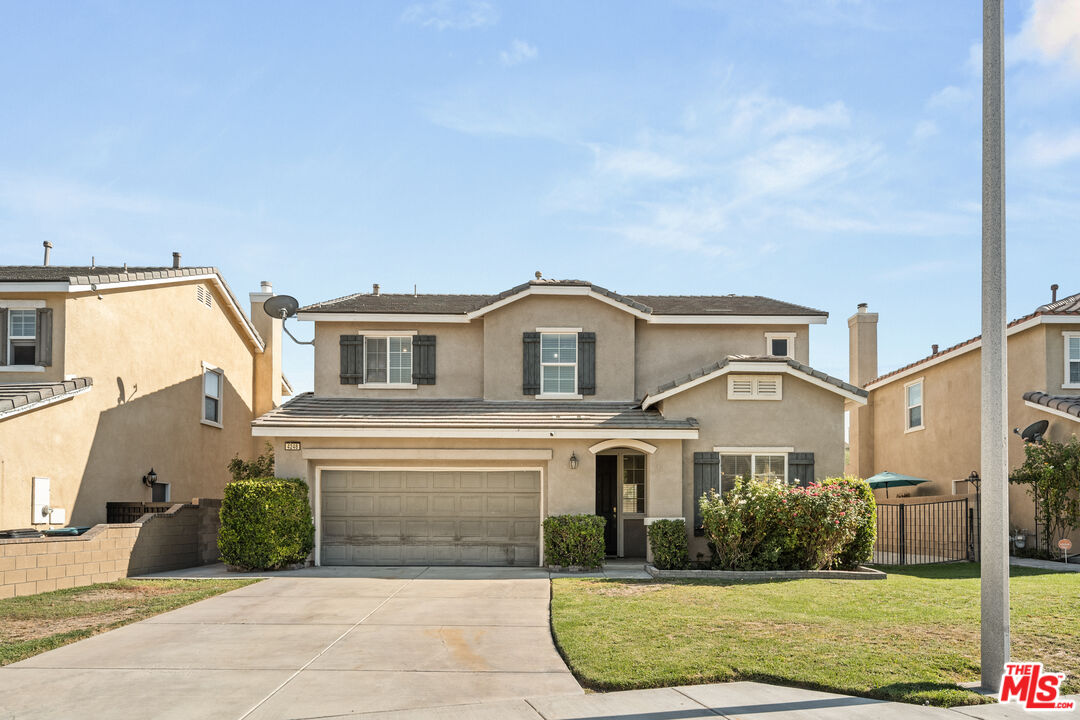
point(398, 517)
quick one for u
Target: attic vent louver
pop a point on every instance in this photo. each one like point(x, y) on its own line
point(203, 296)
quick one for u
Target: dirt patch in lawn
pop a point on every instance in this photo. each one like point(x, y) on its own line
point(623, 589)
point(23, 630)
point(124, 592)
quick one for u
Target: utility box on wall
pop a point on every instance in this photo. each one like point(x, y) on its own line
point(41, 507)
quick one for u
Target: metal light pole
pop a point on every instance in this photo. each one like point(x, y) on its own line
point(995, 459)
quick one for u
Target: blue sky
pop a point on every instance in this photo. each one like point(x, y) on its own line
point(825, 153)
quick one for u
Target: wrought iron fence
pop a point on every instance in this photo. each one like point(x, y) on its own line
point(923, 533)
point(127, 512)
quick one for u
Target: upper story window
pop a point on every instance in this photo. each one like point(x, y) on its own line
point(1072, 359)
point(558, 363)
point(913, 406)
point(780, 344)
point(22, 336)
point(213, 384)
point(388, 360)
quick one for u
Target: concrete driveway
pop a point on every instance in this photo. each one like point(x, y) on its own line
point(304, 646)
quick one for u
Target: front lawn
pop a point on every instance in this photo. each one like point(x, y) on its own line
point(35, 623)
point(909, 638)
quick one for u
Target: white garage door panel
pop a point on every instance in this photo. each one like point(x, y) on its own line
point(398, 517)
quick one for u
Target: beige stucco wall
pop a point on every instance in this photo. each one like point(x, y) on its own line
point(614, 330)
point(144, 349)
point(948, 448)
point(666, 352)
point(459, 362)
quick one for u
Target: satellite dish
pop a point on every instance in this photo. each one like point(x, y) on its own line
point(281, 306)
point(1034, 432)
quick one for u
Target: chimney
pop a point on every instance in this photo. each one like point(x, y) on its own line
point(375, 288)
point(862, 368)
point(1053, 288)
point(48, 247)
point(176, 260)
point(267, 378)
point(933, 349)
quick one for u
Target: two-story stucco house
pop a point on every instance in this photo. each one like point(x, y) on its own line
point(109, 372)
point(444, 428)
point(923, 419)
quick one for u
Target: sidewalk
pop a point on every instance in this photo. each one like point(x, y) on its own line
point(742, 700)
point(1045, 564)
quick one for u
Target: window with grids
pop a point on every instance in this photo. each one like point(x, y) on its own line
point(213, 381)
point(558, 363)
point(633, 483)
point(388, 360)
point(759, 466)
point(913, 402)
point(22, 337)
point(1072, 358)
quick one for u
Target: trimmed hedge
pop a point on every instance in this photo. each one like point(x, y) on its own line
point(667, 538)
point(266, 523)
point(574, 541)
point(861, 548)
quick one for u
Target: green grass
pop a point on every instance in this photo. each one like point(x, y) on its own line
point(909, 638)
point(35, 623)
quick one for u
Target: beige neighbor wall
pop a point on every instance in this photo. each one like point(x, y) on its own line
point(948, 448)
point(667, 352)
point(459, 369)
point(503, 329)
point(144, 348)
point(807, 419)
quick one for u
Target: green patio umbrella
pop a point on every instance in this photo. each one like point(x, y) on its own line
point(890, 479)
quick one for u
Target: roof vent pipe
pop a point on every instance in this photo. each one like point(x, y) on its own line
point(267, 287)
point(863, 307)
point(48, 246)
point(176, 260)
point(1053, 288)
point(375, 288)
point(933, 349)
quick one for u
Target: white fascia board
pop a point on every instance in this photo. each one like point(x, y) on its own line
point(418, 318)
point(753, 367)
point(47, 401)
point(34, 287)
point(385, 454)
point(737, 319)
point(1052, 411)
point(524, 433)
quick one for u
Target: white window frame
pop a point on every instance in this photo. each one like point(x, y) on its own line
point(13, 338)
point(1067, 335)
point(207, 367)
point(559, 395)
point(789, 336)
point(921, 406)
point(755, 385)
point(753, 453)
point(387, 335)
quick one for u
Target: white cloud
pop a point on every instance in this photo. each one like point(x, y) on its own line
point(635, 163)
point(519, 52)
point(924, 130)
point(950, 97)
point(1050, 34)
point(1046, 150)
point(451, 14)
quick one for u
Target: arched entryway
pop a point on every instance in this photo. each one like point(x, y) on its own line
point(621, 481)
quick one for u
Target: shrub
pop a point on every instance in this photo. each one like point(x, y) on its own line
point(574, 540)
point(260, 467)
point(1051, 471)
point(761, 525)
point(667, 538)
point(861, 547)
point(266, 523)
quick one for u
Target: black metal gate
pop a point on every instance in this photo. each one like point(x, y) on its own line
point(923, 533)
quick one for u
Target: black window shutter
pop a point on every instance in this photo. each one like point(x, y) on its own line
point(706, 477)
point(3, 335)
point(352, 359)
point(586, 348)
point(800, 468)
point(43, 341)
point(530, 363)
point(423, 360)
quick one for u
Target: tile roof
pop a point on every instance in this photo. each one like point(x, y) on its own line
point(306, 410)
point(1066, 306)
point(1069, 404)
point(647, 304)
point(17, 398)
point(794, 364)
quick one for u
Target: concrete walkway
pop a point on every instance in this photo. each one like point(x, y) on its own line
point(1045, 564)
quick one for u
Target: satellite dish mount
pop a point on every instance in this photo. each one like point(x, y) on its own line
point(1034, 432)
point(283, 307)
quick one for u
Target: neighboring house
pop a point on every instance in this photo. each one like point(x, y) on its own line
point(109, 372)
point(924, 418)
point(444, 428)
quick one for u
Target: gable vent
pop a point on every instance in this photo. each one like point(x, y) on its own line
point(755, 387)
point(203, 296)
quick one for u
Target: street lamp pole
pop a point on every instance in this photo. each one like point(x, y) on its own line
point(995, 464)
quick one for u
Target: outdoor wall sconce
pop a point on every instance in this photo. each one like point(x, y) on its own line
point(149, 478)
point(573, 460)
point(974, 479)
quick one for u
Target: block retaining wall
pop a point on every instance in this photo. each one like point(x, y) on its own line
point(183, 536)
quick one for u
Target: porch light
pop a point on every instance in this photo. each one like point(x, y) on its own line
point(149, 478)
point(573, 460)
